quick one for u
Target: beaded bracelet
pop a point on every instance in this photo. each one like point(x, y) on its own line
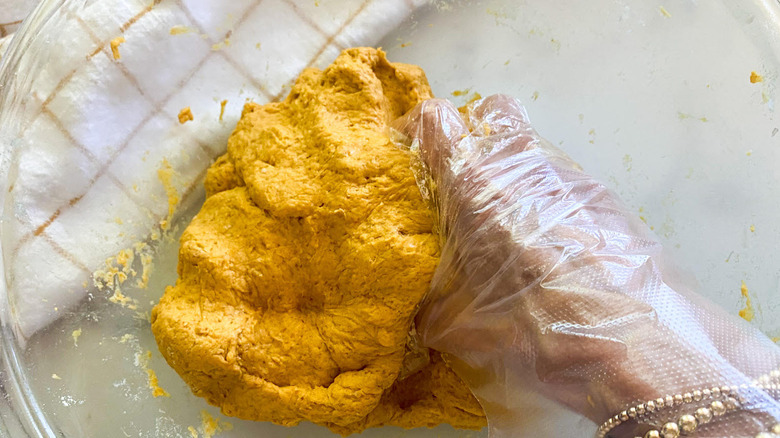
point(688, 423)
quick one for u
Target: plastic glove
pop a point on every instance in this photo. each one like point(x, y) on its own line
point(548, 284)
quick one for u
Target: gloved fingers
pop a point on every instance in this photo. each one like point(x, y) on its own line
point(548, 280)
point(500, 113)
point(500, 128)
point(436, 126)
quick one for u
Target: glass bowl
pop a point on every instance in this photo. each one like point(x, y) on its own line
point(672, 104)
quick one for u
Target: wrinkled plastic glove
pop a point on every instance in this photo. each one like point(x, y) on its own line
point(548, 284)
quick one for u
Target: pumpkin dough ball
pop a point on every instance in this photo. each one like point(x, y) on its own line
point(300, 275)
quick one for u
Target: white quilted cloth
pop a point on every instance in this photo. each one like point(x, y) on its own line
point(96, 129)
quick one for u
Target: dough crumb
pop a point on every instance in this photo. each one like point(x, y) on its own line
point(463, 109)
point(147, 263)
point(212, 426)
point(142, 360)
point(628, 162)
point(185, 115)
point(684, 116)
point(664, 12)
point(166, 175)
point(144, 252)
point(193, 432)
point(747, 313)
point(221, 45)
point(123, 300)
point(179, 29)
point(222, 109)
point(474, 97)
point(56, 377)
point(154, 384)
point(76, 334)
point(755, 77)
point(752, 228)
point(115, 46)
point(118, 269)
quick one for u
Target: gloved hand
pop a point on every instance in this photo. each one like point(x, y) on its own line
point(548, 284)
